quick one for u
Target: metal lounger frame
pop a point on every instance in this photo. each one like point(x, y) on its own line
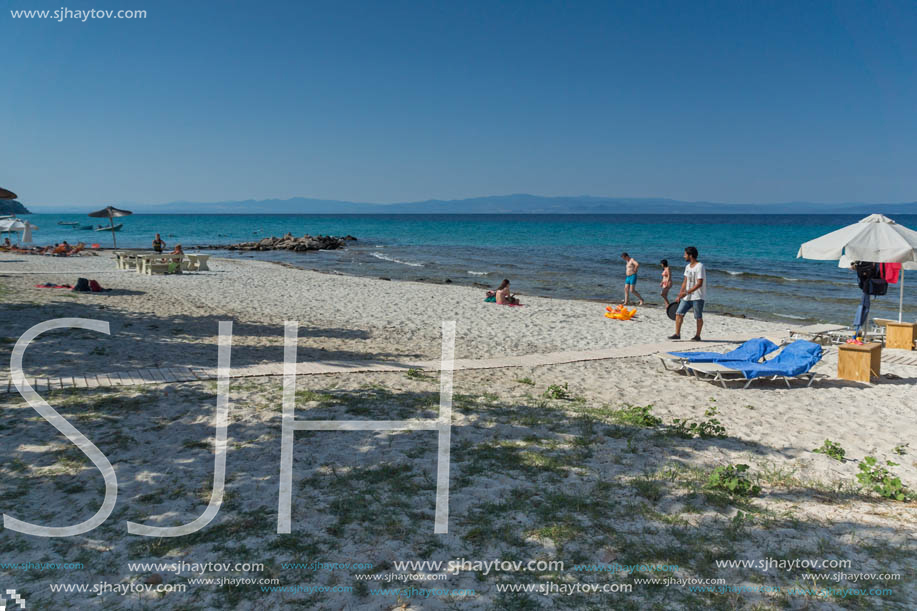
point(716, 375)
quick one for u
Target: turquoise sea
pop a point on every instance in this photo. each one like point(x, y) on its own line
point(751, 258)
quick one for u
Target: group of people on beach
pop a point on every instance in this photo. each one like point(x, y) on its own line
point(691, 295)
point(159, 244)
point(62, 249)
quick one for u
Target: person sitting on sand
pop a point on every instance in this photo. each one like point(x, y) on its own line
point(504, 297)
point(158, 244)
point(7, 243)
point(666, 282)
point(61, 249)
point(630, 280)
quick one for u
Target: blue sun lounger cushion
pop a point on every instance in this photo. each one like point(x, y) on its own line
point(795, 359)
point(752, 351)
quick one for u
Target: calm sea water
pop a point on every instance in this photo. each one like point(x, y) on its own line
point(751, 259)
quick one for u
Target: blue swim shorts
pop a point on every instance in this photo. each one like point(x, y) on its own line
point(632, 279)
point(684, 306)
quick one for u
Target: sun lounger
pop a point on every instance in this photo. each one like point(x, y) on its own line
point(795, 361)
point(752, 350)
point(875, 334)
point(819, 333)
point(880, 326)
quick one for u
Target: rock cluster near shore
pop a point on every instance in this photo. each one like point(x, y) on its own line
point(290, 242)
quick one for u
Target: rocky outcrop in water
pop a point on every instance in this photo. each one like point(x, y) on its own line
point(290, 242)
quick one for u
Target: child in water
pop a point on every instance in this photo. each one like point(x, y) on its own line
point(666, 283)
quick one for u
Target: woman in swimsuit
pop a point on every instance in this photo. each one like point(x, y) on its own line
point(504, 296)
point(666, 283)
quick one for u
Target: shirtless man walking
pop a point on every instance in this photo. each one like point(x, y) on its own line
point(630, 281)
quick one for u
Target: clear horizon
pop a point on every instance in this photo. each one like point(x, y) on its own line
point(78, 208)
point(408, 102)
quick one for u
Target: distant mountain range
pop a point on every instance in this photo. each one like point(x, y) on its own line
point(501, 204)
point(11, 206)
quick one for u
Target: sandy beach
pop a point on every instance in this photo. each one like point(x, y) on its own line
point(577, 475)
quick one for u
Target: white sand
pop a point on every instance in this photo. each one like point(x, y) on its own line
point(348, 317)
point(403, 316)
point(173, 320)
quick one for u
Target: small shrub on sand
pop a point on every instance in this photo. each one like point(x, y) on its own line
point(636, 415)
point(831, 450)
point(733, 480)
point(556, 391)
point(703, 429)
point(880, 480)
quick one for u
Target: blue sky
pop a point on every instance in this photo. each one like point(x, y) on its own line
point(402, 101)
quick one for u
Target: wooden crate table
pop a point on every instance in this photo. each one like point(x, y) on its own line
point(900, 335)
point(859, 362)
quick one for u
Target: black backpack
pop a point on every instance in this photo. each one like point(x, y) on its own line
point(869, 277)
point(876, 286)
point(82, 285)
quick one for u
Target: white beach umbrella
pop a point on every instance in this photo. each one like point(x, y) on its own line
point(875, 238)
point(11, 225)
point(17, 225)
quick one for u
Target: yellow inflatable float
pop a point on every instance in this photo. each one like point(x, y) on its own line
point(619, 312)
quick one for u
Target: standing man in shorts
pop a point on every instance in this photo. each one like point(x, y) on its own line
point(630, 280)
point(692, 294)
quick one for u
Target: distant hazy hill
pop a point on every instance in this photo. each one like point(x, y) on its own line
point(509, 204)
point(11, 206)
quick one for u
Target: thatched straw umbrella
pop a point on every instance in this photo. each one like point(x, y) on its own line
point(111, 212)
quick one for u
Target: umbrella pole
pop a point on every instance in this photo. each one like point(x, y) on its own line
point(900, 294)
point(111, 222)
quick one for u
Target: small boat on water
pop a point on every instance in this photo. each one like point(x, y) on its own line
point(115, 228)
point(84, 227)
point(71, 223)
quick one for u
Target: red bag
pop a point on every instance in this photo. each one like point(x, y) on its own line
point(95, 287)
